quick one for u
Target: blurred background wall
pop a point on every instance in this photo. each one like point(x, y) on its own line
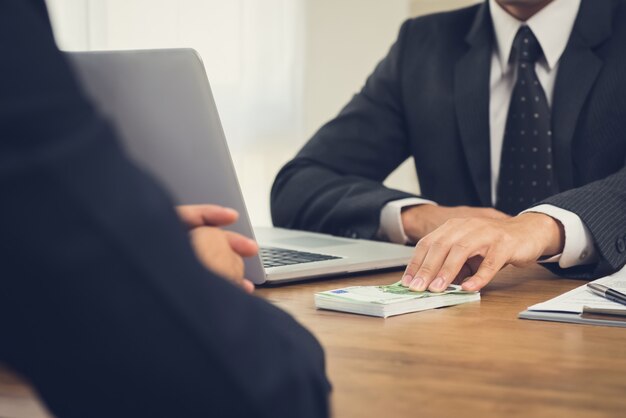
point(279, 68)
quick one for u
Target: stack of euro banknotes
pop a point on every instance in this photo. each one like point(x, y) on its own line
point(390, 300)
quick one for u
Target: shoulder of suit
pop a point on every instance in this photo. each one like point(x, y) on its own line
point(438, 32)
point(620, 6)
point(444, 24)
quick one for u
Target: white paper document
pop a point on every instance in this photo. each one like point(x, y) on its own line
point(576, 305)
point(574, 300)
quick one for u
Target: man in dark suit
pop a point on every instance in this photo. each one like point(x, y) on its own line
point(514, 113)
point(104, 306)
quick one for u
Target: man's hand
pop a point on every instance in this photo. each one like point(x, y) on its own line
point(419, 221)
point(477, 248)
point(195, 216)
point(220, 251)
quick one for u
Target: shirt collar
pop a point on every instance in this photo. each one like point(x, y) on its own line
point(552, 26)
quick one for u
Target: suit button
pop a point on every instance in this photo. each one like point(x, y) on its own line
point(354, 235)
point(621, 245)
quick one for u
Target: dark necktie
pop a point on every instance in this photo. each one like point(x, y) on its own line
point(526, 168)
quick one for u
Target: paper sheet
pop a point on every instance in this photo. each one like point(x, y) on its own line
point(574, 300)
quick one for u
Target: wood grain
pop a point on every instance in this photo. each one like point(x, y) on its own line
point(469, 360)
point(475, 359)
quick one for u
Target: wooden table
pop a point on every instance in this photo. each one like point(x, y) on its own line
point(472, 360)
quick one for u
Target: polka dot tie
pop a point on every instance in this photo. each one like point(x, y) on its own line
point(526, 168)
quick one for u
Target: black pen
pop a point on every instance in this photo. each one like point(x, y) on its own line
point(607, 292)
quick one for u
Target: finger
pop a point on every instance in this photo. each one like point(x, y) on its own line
point(469, 239)
point(490, 266)
point(421, 249)
point(474, 263)
point(464, 273)
point(243, 246)
point(212, 247)
point(206, 215)
point(469, 269)
point(231, 267)
point(413, 277)
point(247, 286)
point(454, 262)
point(437, 253)
point(438, 247)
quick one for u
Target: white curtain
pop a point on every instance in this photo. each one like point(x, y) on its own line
point(252, 51)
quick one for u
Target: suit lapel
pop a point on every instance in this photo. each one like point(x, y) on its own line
point(471, 97)
point(578, 69)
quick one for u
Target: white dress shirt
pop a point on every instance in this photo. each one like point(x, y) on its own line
point(552, 27)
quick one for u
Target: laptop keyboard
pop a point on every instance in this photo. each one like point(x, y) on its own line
point(274, 257)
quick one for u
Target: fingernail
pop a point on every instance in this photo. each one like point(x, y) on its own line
point(468, 285)
point(417, 284)
point(406, 280)
point(438, 285)
point(232, 211)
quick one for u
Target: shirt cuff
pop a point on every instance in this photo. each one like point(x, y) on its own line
point(391, 228)
point(579, 246)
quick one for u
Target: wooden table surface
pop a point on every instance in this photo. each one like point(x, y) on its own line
point(475, 359)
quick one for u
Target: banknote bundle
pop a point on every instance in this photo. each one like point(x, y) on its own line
point(389, 300)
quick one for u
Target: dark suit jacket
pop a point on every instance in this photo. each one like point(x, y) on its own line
point(103, 305)
point(429, 98)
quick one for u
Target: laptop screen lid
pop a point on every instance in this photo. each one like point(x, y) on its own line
point(162, 105)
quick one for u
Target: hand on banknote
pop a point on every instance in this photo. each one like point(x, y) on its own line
point(472, 250)
point(220, 251)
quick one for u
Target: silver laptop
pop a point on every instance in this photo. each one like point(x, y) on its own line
point(161, 103)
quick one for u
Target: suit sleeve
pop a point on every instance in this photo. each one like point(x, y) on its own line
point(601, 205)
point(334, 184)
point(103, 305)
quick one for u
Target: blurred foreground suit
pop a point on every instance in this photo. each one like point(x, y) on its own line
point(429, 99)
point(103, 304)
